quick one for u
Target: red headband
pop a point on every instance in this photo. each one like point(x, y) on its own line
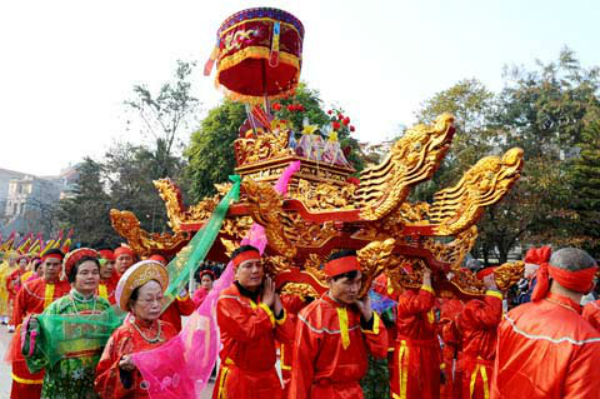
point(580, 281)
point(124, 251)
point(52, 256)
point(107, 254)
point(342, 265)
point(244, 256)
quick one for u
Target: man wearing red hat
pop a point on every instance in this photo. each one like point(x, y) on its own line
point(334, 335)
point(545, 348)
point(33, 298)
point(124, 258)
point(533, 259)
point(108, 284)
point(476, 328)
point(250, 317)
point(417, 356)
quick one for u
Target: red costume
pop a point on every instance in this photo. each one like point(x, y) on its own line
point(13, 283)
point(113, 383)
point(332, 342)
point(248, 330)
point(417, 351)
point(33, 298)
point(330, 351)
point(292, 304)
point(477, 327)
point(591, 313)
point(545, 348)
point(449, 309)
point(106, 290)
point(180, 307)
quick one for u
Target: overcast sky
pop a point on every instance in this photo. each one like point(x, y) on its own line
point(67, 66)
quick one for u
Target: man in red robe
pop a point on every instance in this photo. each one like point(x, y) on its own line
point(124, 258)
point(334, 335)
point(108, 284)
point(545, 348)
point(14, 281)
point(292, 304)
point(33, 298)
point(477, 326)
point(451, 386)
point(250, 317)
point(417, 355)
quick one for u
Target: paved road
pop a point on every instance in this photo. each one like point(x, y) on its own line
point(5, 379)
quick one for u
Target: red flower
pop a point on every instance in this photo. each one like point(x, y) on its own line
point(336, 125)
point(291, 107)
point(340, 116)
point(353, 180)
point(301, 108)
point(330, 112)
point(346, 121)
point(276, 106)
point(352, 128)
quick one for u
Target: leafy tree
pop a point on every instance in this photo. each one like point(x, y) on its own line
point(87, 211)
point(471, 104)
point(544, 111)
point(585, 188)
point(130, 171)
point(166, 115)
point(210, 152)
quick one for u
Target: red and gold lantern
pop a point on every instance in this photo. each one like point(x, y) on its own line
point(258, 54)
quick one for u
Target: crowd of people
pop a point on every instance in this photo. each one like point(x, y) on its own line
point(537, 342)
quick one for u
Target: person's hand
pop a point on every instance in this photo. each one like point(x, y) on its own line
point(364, 306)
point(268, 294)
point(126, 364)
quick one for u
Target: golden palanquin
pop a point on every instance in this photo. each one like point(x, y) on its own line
point(324, 210)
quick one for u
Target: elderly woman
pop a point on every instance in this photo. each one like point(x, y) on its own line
point(140, 291)
point(57, 341)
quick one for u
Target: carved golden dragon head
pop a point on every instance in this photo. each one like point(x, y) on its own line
point(413, 159)
point(487, 182)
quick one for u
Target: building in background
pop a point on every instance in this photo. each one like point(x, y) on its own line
point(30, 201)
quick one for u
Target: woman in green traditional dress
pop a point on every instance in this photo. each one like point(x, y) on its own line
point(68, 338)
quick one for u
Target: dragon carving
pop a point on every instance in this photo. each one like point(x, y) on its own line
point(143, 243)
point(176, 211)
point(413, 159)
point(456, 208)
